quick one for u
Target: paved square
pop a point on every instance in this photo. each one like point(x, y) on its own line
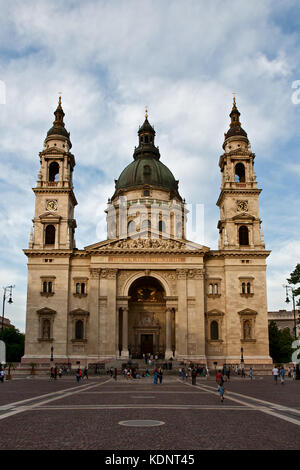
point(40, 414)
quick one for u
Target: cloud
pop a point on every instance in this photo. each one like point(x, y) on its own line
point(184, 60)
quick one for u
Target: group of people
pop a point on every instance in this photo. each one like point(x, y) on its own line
point(280, 372)
point(158, 375)
point(81, 375)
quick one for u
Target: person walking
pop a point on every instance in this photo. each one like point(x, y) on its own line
point(52, 373)
point(289, 372)
point(219, 378)
point(78, 375)
point(115, 373)
point(2, 375)
point(85, 373)
point(155, 376)
point(251, 373)
point(282, 374)
point(243, 373)
point(60, 372)
point(160, 375)
point(111, 371)
point(228, 373)
point(275, 374)
point(221, 392)
point(194, 376)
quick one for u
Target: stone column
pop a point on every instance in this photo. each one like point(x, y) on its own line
point(181, 325)
point(125, 352)
point(93, 329)
point(168, 352)
point(200, 308)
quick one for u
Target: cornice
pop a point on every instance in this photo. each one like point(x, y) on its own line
point(238, 254)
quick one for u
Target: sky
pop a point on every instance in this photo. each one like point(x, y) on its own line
point(183, 59)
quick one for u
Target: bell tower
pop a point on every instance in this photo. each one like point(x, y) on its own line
point(54, 224)
point(239, 225)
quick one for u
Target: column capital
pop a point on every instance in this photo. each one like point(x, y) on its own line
point(95, 273)
point(181, 273)
point(109, 273)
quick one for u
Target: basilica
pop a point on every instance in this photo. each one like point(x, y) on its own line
point(146, 289)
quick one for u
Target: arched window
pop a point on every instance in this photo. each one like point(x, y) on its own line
point(53, 171)
point(243, 288)
point(210, 289)
point(45, 286)
point(214, 330)
point(79, 329)
point(146, 224)
point(216, 289)
point(161, 226)
point(146, 139)
point(131, 227)
point(50, 235)
point(248, 288)
point(82, 288)
point(50, 287)
point(77, 287)
point(239, 173)
point(243, 235)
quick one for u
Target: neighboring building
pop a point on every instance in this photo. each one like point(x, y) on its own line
point(285, 319)
point(6, 323)
point(147, 289)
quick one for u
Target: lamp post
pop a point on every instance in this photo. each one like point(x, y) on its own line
point(287, 300)
point(51, 357)
point(10, 301)
point(242, 357)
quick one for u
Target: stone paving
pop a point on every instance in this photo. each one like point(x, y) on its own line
point(37, 413)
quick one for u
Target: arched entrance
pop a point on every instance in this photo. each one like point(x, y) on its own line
point(149, 322)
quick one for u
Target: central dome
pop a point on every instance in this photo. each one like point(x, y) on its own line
point(146, 169)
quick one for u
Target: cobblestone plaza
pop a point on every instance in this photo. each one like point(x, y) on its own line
point(38, 414)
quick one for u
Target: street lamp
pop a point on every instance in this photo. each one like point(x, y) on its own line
point(51, 357)
point(287, 300)
point(242, 356)
point(10, 301)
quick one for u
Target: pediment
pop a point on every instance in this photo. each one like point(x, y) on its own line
point(46, 311)
point(145, 241)
point(79, 312)
point(247, 311)
point(49, 215)
point(214, 313)
point(244, 216)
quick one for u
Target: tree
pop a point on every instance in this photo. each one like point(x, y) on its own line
point(280, 342)
point(295, 279)
point(14, 341)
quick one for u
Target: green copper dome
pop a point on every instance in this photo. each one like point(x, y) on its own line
point(146, 169)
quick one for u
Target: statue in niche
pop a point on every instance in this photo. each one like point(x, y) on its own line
point(247, 329)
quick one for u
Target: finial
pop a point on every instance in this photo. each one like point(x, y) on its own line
point(146, 112)
point(59, 98)
point(234, 103)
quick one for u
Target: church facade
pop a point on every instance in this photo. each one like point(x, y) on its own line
point(146, 288)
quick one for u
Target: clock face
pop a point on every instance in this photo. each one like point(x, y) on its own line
point(52, 205)
point(242, 206)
